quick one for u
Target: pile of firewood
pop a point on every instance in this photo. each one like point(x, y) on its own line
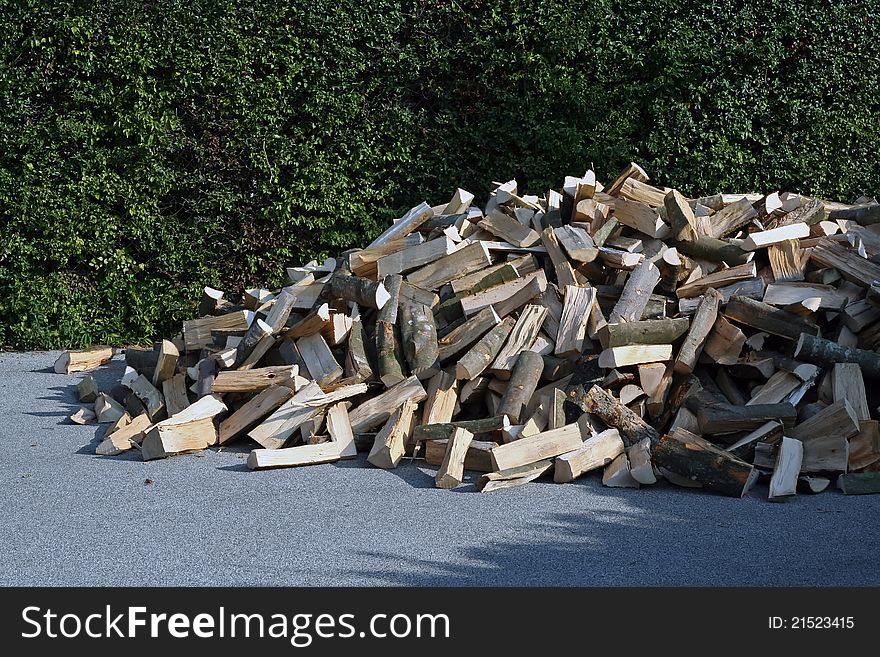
point(622, 328)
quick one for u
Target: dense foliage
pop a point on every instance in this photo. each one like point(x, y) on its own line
point(150, 148)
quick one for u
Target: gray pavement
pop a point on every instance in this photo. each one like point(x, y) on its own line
point(68, 517)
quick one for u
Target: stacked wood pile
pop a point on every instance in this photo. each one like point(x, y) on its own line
point(621, 328)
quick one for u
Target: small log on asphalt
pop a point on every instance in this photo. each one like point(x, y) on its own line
point(82, 361)
point(478, 457)
point(390, 443)
point(596, 452)
point(87, 390)
point(859, 483)
point(690, 456)
point(451, 471)
point(783, 483)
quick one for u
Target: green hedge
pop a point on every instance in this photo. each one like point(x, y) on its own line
point(148, 149)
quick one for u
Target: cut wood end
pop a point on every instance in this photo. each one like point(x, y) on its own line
point(382, 296)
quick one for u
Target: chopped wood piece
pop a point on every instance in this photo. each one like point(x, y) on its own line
point(634, 355)
point(765, 317)
point(253, 412)
point(725, 342)
point(150, 397)
point(442, 397)
point(636, 293)
point(492, 481)
point(864, 447)
point(253, 380)
point(717, 279)
point(640, 217)
point(765, 238)
point(419, 336)
point(82, 361)
point(375, 411)
point(481, 355)
point(414, 257)
point(596, 452)
point(731, 218)
point(471, 258)
point(544, 445)
point(390, 443)
point(451, 471)
point(577, 243)
point(467, 333)
point(573, 322)
point(508, 229)
point(853, 267)
point(825, 436)
point(850, 386)
point(166, 365)
point(197, 332)
point(505, 295)
point(824, 352)
point(87, 390)
point(191, 430)
point(522, 385)
point(783, 484)
point(654, 331)
point(701, 325)
point(124, 438)
point(783, 294)
point(778, 387)
point(617, 474)
point(83, 415)
point(786, 262)
point(478, 457)
point(813, 484)
point(726, 418)
point(363, 262)
point(632, 170)
point(859, 483)
point(563, 269)
point(631, 427)
point(690, 456)
point(404, 226)
point(319, 360)
point(521, 338)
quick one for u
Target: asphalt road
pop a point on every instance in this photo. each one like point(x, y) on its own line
point(68, 517)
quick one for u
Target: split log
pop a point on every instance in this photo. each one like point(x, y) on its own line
point(357, 366)
point(87, 390)
point(414, 257)
point(197, 332)
point(765, 317)
point(253, 412)
point(442, 431)
point(191, 430)
point(577, 243)
point(853, 267)
point(465, 335)
point(403, 226)
point(342, 446)
point(825, 437)
point(522, 385)
point(311, 324)
point(636, 293)
point(824, 352)
point(634, 355)
point(717, 279)
point(849, 385)
point(864, 447)
point(253, 380)
point(390, 443)
point(166, 364)
point(690, 456)
point(275, 430)
point(471, 258)
point(514, 477)
point(363, 262)
point(753, 289)
point(319, 360)
point(521, 337)
point(640, 217)
point(150, 397)
point(617, 474)
point(783, 294)
point(563, 269)
point(725, 342)
point(765, 238)
point(481, 355)
point(725, 418)
point(451, 471)
point(731, 218)
point(596, 452)
point(714, 250)
point(124, 438)
point(701, 325)
point(786, 262)
point(442, 397)
point(783, 483)
point(255, 333)
point(576, 312)
point(478, 457)
point(83, 416)
point(544, 445)
point(508, 229)
point(375, 411)
point(82, 361)
point(632, 170)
